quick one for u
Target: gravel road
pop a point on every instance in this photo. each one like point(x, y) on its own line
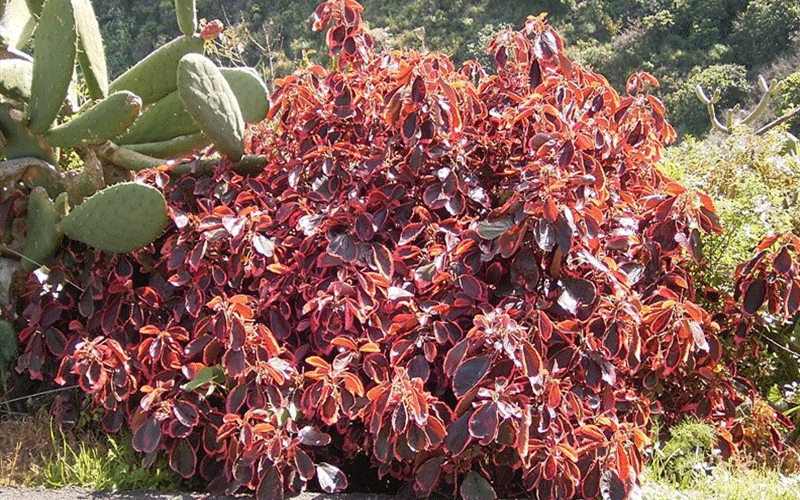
point(14, 493)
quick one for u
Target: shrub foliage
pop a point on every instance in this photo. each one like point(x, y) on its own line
point(478, 282)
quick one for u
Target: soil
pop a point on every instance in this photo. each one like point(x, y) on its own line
point(14, 493)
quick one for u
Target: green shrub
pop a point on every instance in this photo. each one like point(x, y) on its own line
point(754, 186)
point(764, 30)
point(686, 110)
point(790, 99)
point(687, 456)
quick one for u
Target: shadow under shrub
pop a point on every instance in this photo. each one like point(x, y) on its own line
point(478, 282)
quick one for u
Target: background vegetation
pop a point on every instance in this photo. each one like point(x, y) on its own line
point(718, 43)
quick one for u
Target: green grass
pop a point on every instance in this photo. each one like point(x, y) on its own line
point(111, 466)
point(727, 483)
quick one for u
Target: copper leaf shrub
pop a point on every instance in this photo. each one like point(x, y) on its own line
point(477, 281)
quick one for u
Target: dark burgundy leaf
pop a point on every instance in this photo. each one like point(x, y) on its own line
point(304, 465)
point(410, 233)
point(312, 437)
point(469, 373)
point(186, 413)
point(484, 422)
point(454, 357)
point(754, 296)
point(427, 476)
point(56, 342)
point(343, 246)
point(410, 126)
point(147, 437)
point(458, 436)
point(545, 234)
point(612, 487)
point(182, 459)
point(270, 487)
point(418, 89)
point(782, 263)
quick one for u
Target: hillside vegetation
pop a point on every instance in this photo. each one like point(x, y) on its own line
point(718, 43)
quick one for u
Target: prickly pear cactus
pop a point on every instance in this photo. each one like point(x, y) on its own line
point(250, 91)
point(91, 55)
point(176, 147)
point(43, 236)
point(163, 120)
point(15, 79)
point(153, 77)
point(101, 122)
point(186, 12)
point(9, 346)
point(16, 24)
point(120, 218)
point(209, 99)
point(54, 64)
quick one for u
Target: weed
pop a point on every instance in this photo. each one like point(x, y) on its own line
point(102, 463)
point(687, 456)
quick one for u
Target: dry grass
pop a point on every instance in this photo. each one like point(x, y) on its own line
point(29, 444)
point(25, 447)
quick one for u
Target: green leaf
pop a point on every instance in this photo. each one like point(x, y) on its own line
point(209, 374)
point(476, 487)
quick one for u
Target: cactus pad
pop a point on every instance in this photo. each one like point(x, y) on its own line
point(121, 218)
point(43, 236)
point(250, 91)
point(35, 7)
point(101, 122)
point(19, 142)
point(53, 64)
point(186, 11)
point(174, 148)
point(163, 120)
point(15, 79)
point(210, 101)
point(16, 24)
point(91, 55)
point(153, 77)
